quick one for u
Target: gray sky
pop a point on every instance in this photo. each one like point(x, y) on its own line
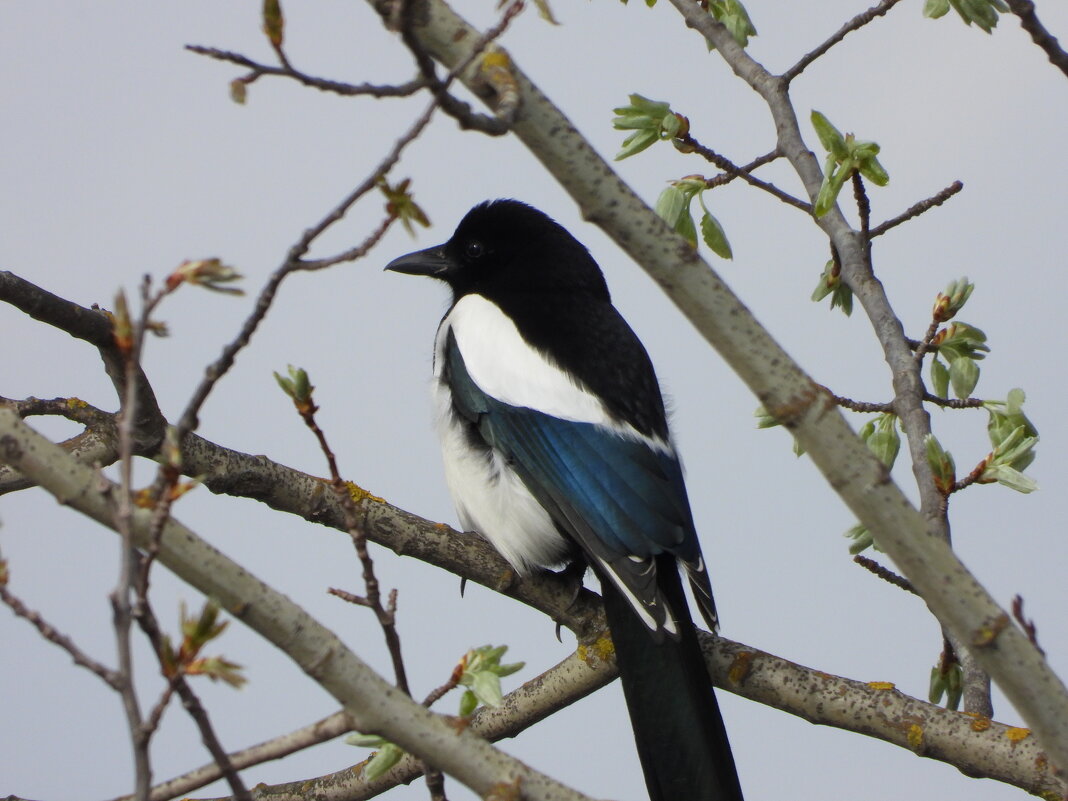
point(123, 155)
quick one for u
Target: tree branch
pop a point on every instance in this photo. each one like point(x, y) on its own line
point(258, 70)
point(917, 209)
point(110, 677)
point(858, 22)
point(734, 171)
point(853, 251)
point(376, 707)
point(1029, 21)
point(800, 691)
point(277, 747)
point(92, 326)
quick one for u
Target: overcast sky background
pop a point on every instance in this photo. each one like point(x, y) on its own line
point(123, 155)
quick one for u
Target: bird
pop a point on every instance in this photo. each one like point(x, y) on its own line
point(556, 448)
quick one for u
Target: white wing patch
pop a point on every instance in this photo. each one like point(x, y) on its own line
point(505, 367)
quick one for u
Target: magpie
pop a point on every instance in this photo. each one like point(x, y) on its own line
point(556, 448)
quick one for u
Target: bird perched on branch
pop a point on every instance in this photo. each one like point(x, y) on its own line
point(556, 448)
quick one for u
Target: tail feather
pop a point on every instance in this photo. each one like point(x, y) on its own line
point(682, 743)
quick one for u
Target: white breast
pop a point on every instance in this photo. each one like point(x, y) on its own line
point(505, 367)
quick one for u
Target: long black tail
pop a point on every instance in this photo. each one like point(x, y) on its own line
point(682, 743)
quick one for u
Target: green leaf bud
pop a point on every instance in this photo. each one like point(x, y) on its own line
point(468, 703)
point(933, 9)
point(671, 204)
point(963, 375)
point(384, 759)
point(948, 303)
point(830, 137)
point(941, 464)
point(939, 378)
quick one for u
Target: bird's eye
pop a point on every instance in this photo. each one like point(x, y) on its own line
point(474, 249)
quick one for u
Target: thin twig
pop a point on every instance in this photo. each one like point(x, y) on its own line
point(920, 349)
point(292, 263)
point(128, 340)
point(156, 715)
point(462, 112)
point(177, 683)
point(726, 177)
point(1026, 624)
point(322, 84)
point(859, 21)
point(438, 693)
point(863, 207)
point(354, 524)
point(972, 477)
point(1025, 10)
point(885, 573)
point(954, 403)
point(734, 171)
point(357, 252)
point(861, 406)
point(111, 677)
point(918, 209)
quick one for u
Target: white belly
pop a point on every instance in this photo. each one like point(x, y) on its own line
point(492, 500)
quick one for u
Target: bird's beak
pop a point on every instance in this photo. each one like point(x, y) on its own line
point(432, 262)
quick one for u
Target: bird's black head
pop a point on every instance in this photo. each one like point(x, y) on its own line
point(504, 247)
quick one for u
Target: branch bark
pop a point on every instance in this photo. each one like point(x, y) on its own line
point(375, 706)
point(967, 742)
point(1029, 21)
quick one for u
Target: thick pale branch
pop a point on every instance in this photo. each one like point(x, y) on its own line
point(375, 705)
point(852, 249)
point(975, 745)
point(574, 678)
point(953, 594)
point(801, 691)
point(277, 747)
point(97, 444)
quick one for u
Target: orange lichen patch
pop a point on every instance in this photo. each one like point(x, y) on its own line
point(459, 724)
point(76, 403)
point(496, 59)
point(915, 737)
point(989, 631)
point(881, 685)
point(740, 667)
point(981, 723)
point(144, 499)
point(504, 791)
point(1016, 734)
point(600, 649)
point(359, 494)
point(795, 407)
